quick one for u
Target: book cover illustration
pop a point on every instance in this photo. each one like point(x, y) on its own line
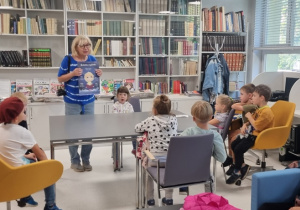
point(117, 83)
point(13, 87)
point(54, 85)
point(107, 87)
point(88, 82)
point(24, 86)
point(41, 86)
point(129, 83)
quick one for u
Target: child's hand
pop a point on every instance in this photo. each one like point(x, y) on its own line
point(248, 115)
point(293, 164)
point(243, 129)
point(30, 156)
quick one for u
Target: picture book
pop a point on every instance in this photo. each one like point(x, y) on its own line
point(88, 82)
point(107, 87)
point(117, 83)
point(4, 88)
point(54, 85)
point(24, 86)
point(12, 87)
point(41, 86)
point(130, 84)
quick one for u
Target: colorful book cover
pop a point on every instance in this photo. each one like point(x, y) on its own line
point(88, 82)
point(24, 86)
point(40, 86)
point(117, 83)
point(13, 87)
point(107, 87)
point(54, 85)
point(130, 84)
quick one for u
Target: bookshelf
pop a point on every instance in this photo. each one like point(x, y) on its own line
point(158, 42)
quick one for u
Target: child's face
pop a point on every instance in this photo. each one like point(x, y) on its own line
point(245, 97)
point(257, 100)
point(218, 106)
point(122, 97)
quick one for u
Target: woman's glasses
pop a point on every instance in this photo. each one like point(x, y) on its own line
point(82, 46)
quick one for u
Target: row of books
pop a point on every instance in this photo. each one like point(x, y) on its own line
point(119, 47)
point(185, 28)
point(182, 66)
point(118, 28)
point(235, 61)
point(79, 5)
point(11, 59)
point(118, 62)
point(152, 66)
point(119, 5)
point(155, 87)
point(41, 25)
point(185, 7)
point(215, 19)
point(40, 4)
point(231, 43)
point(153, 6)
point(12, 3)
point(110, 86)
point(152, 27)
point(84, 27)
point(40, 57)
point(152, 46)
point(183, 47)
point(177, 87)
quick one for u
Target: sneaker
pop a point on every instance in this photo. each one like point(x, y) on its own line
point(183, 190)
point(133, 151)
point(228, 161)
point(167, 202)
point(233, 178)
point(87, 167)
point(28, 201)
point(230, 170)
point(151, 202)
point(52, 207)
point(77, 167)
point(244, 171)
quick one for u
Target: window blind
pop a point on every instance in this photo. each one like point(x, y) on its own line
point(277, 24)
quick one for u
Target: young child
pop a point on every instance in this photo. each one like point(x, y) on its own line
point(246, 93)
point(202, 113)
point(123, 106)
point(16, 140)
point(222, 108)
point(261, 119)
point(161, 126)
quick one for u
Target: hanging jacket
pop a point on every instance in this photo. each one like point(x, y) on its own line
point(216, 80)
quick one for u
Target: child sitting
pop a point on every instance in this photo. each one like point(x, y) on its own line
point(261, 119)
point(123, 106)
point(16, 140)
point(222, 108)
point(202, 113)
point(246, 93)
point(160, 127)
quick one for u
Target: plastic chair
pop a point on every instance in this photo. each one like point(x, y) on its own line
point(276, 136)
point(19, 182)
point(135, 102)
point(187, 163)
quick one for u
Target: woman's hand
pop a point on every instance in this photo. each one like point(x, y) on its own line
point(77, 72)
point(99, 72)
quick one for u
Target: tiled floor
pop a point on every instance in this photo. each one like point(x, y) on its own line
point(104, 189)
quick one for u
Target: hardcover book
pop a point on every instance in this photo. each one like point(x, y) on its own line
point(54, 85)
point(107, 87)
point(24, 86)
point(88, 82)
point(41, 86)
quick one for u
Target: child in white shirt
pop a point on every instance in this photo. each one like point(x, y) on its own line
point(160, 127)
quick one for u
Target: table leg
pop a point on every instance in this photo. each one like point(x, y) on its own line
point(137, 183)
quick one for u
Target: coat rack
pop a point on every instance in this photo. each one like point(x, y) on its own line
point(216, 48)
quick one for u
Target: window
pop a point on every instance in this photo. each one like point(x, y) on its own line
point(277, 33)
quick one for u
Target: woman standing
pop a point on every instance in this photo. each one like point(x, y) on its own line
point(76, 104)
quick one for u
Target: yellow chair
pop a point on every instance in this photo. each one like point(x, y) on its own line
point(22, 181)
point(276, 136)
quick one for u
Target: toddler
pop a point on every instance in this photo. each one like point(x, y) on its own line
point(123, 106)
point(161, 126)
point(222, 108)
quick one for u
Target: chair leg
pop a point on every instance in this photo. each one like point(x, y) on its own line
point(8, 205)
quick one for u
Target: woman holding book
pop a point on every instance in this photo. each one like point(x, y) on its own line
point(76, 104)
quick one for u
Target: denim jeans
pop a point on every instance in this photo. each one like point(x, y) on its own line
point(76, 109)
point(50, 195)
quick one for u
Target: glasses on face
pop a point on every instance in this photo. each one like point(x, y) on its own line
point(82, 46)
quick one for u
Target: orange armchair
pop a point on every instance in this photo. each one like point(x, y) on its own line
point(276, 136)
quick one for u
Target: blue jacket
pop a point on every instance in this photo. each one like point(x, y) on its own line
point(216, 80)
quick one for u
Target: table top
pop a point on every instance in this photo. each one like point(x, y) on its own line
point(86, 127)
point(173, 207)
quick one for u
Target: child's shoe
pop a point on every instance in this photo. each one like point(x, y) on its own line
point(230, 170)
point(28, 201)
point(52, 207)
point(244, 171)
point(151, 203)
point(228, 161)
point(167, 202)
point(233, 178)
